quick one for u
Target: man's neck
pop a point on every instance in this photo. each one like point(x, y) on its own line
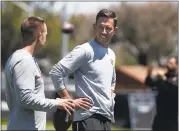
point(104, 45)
point(30, 49)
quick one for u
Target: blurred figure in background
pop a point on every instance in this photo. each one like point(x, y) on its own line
point(93, 64)
point(166, 85)
point(24, 83)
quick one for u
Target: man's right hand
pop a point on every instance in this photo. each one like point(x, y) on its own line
point(66, 104)
point(83, 103)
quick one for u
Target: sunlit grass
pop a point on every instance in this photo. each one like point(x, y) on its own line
point(49, 125)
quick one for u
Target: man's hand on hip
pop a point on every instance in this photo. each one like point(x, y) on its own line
point(83, 103)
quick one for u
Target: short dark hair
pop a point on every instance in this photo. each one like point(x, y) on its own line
point(107, 13)
point(30, 27)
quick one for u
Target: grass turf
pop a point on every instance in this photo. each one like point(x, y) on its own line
point(49, 125)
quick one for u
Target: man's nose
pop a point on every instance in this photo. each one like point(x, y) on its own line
point(104, 31)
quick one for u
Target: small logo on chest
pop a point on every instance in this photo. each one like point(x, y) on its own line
point(112, 62)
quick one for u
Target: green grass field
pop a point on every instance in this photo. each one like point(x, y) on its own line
point(48, 127)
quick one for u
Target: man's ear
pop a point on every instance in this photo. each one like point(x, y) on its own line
point(39, 35)
point(115, 30)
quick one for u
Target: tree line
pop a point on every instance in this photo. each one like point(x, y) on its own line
point(147, 32)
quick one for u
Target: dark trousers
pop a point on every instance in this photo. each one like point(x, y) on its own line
point(164, 124)
point(95, 122)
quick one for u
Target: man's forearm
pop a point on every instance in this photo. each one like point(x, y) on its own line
point(29, 100)
point(57, 74)
point(64, 93)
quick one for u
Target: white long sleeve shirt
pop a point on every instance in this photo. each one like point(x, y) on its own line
point(94, 72)
point(25, 93)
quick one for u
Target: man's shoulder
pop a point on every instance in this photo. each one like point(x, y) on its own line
point(18, 56)
point(85, 46)
point(111, 52)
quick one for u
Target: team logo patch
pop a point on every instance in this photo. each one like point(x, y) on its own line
point(112, 62)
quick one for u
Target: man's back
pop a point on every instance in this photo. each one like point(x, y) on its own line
point(20, 117)
point(166, 101)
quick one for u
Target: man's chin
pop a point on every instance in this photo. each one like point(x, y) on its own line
point(41, 45)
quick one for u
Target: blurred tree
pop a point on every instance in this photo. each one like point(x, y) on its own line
point(52, 47)
point(12, 17)
point(83, 27)
point(149, 30)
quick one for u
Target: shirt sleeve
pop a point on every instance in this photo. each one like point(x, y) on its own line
point(67, 65)
point(113, 84)
point(153, 82)
point(113, 79)
point(172, 83)
point(24, 86)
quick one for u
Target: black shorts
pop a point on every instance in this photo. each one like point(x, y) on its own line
point(95, 122)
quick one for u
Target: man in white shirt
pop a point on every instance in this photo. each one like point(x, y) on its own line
point(24, 82)
point(93, 65)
